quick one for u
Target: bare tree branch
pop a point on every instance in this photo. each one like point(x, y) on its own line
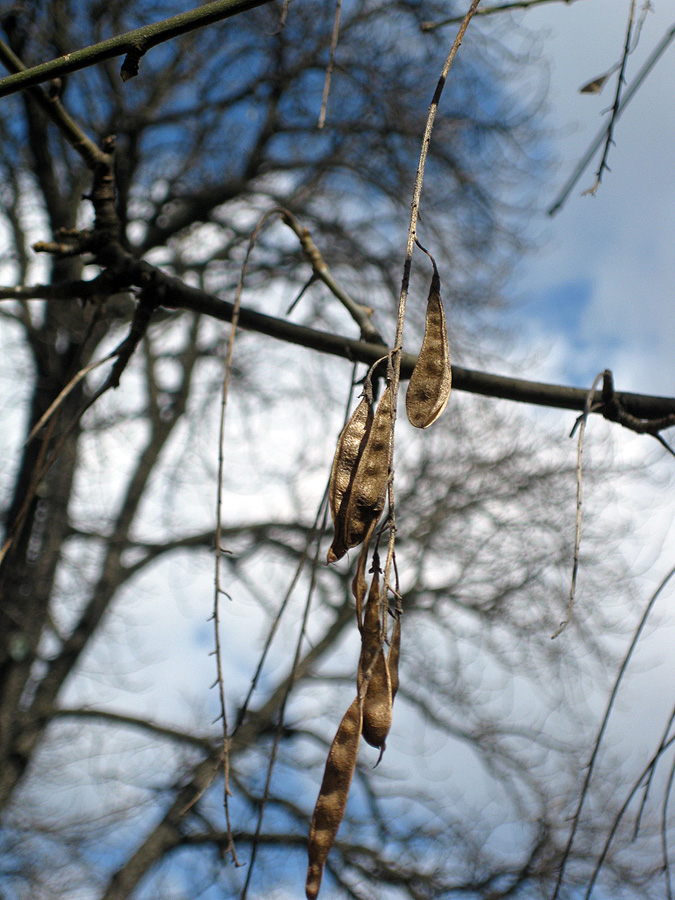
point(136, 42)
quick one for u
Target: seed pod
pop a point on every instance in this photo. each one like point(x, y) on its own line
point(394, 655)
point(429, 387)
point(370, 632)
point(365, 501)
point(377, 705)
point(359, 586)
point(348, 452)
point(377, 702)
point(332, 800)
point(350, 447)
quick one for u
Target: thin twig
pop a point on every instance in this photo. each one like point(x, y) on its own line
point(600, 137)
point(331, 63)
point(360, 314)
point(603, 726)
point(74, 381)
point(490, 10)
point(219, 550)
point(241, 715)
point(581, 422)
point(323, 510)
point(619, 816)
point(645, 794)
point(615, 106)
point(664, 831)
point(54, 110)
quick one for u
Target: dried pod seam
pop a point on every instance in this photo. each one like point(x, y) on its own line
point(332, 800)
point(429, 387)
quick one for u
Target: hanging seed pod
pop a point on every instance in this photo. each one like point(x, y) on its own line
point(332, 801)
point(377, 705)
point(350, 447)
point(370, 632)
point(363, 501)
point(359, 585)
point(394, 655)
point(429, 387)
point(377, 702)
point(348, 452)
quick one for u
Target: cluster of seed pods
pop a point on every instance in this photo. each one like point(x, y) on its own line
point(357, 489)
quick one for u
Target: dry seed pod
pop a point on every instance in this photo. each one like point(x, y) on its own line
point(348, 452)
point(332, 801)
point(394, 655)
point(370, 632)
point(429, 386)
point(350, 447)
point(377, 702)
point(359, 586)
point(364, 503)
point(377, 705)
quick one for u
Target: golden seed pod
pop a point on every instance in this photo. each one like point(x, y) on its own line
point(332, 801)
point(429, 387)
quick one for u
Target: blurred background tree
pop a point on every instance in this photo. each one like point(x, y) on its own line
point(110, 784)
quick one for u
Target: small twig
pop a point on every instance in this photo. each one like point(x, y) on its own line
point(46, 416)
point(490, 10)
point(619, 816)
point(54, 110)
point(219, 548)
point(615, 106)
point(664, 832)
point(323, 508)
point(331, 63)
point(44, 462)
point(650, 778)
point(241, 715)
point(603, 727)
point(360, 314)
point(581, 422)
point(627, 97)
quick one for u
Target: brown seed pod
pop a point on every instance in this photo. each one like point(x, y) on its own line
point(377, 705)
point(350, 447)
point(348, 452)
point(394, 655)
point(377, 702)
point(365, 501)
point(332, 800)
point(370, 632)
point(429, 387)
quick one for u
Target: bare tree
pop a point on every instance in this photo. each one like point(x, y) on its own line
point(111, 764)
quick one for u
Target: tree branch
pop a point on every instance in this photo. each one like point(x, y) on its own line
point(135, 43)
point(178, 295)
